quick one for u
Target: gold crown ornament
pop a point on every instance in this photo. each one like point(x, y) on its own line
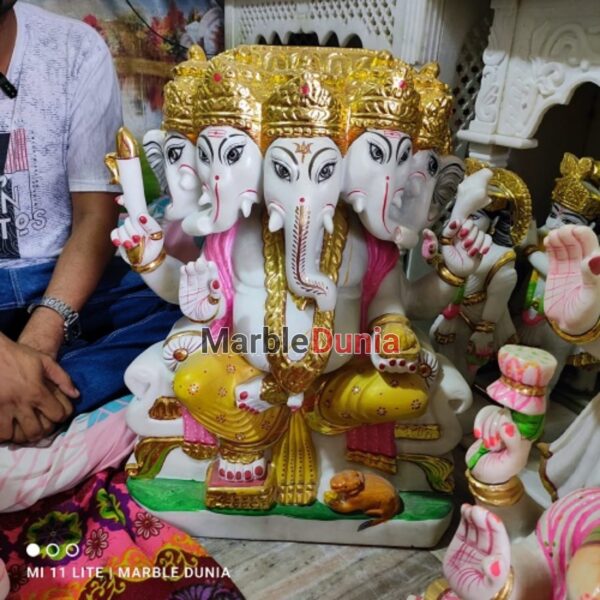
point(506, 190)
point(227, 95)
point(383, 98)
point(436, 108)
point(578, 188)
point(304, 106)
point(179, 93)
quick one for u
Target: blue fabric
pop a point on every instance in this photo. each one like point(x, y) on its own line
point(120, 320)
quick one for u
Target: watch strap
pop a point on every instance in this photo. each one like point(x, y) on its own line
point(72, 329)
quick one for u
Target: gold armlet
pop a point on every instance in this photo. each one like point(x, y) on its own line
point(506, 590)
point(590, 335)
point(446, 241)
point(485, 327)
point(496, 494)
point(271, 392)
point(151, 266)
point(445, 274)
point(444, 338)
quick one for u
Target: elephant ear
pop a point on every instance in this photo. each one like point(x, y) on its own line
point(452, 172)
point(153, 147)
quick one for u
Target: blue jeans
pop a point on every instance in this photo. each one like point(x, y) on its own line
point(119, 321)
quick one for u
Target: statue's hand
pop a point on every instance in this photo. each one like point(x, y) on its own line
point(247, 396)
point(572, 296)
point(200, 296)
point(405, 358)
point(477, 562)
point(467, 245)
point(140, 240)
point(508, 451)
point(480, 346)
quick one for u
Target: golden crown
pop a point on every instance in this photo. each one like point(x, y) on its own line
point(226, 96)
point(304, 106)
point(179, 93)
point(506, 190)
point(577, 189)
point(383, 99)
point(436, 108)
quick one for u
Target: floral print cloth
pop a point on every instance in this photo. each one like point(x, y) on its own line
point(95, 543)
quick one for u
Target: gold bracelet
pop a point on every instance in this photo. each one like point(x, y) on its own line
point(151, 266)
point(445, 274)
point(485, 327)
point(386, 318)
point(523, 388)
point(506, 590)
point(591, 335)
point(496, 494)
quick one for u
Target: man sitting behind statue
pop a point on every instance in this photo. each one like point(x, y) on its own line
point(64, 299)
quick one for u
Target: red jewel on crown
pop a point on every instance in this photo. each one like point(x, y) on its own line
point(402, 84)
point(217, 77)
point(305, 89)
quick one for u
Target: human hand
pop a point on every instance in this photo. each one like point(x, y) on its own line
point(34, 395)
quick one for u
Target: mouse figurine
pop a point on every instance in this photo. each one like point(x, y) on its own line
point(353, 491)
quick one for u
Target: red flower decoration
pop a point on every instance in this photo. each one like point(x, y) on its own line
point(147, 525)
point(96, 544)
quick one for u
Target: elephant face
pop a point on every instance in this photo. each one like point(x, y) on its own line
point(431, 185)
point(377, 166)
point(229, 165)
point(302, 184)
point(172, 158)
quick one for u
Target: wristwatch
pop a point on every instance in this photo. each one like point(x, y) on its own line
point(72, 326)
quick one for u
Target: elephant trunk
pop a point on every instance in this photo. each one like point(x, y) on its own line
point(303, 244)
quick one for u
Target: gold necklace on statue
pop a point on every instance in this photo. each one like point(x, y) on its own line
point(295, 376)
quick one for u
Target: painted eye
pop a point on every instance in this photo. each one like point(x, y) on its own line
point(234, 154)
point(433, 165)
point(405, 154)
point(376, 153)
point(174, 154)
point(281, 171)
point(326, 172)
point(203, 156)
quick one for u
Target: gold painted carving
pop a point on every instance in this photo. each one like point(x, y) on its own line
point(438, 471)
point(165, 408)
point(577, 189)
point(417, 431)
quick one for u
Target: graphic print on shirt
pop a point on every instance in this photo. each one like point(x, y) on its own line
point(17, 216)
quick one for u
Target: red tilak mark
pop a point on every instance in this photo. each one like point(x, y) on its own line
point(595, 265)
point(243, 395)
point(510, 429)
point(217, 77)
point(216, 285)
point(302, 200)
point(305, 89)
point(495, 568)
point(385, 201)
point(216, 178)
point(116, 242)
point(143, 220)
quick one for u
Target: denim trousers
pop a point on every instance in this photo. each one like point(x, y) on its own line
point(119, 321)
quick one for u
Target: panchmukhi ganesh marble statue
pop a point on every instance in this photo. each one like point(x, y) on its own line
point(270, 427)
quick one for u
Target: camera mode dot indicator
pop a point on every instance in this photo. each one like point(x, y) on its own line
point(33, 550)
